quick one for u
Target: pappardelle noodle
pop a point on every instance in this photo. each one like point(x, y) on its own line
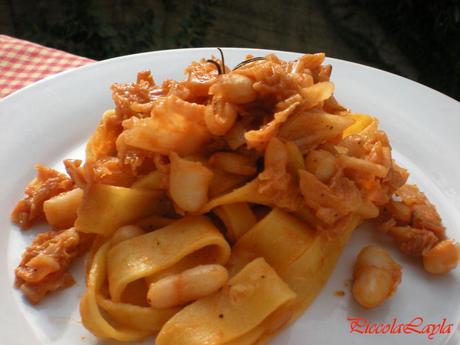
point(215, 208)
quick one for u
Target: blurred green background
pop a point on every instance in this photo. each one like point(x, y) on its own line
point(417, 39)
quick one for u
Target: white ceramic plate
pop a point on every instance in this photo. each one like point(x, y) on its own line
point(52, 119)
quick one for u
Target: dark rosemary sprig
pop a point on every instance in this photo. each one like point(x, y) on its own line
point(222, 59)
point(221, 67)
point(245, 62)
point(214, 62)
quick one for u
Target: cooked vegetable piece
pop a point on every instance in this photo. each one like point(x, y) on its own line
point(47, 184)
point(233, 163)
point(44, 265)
point(61, 210)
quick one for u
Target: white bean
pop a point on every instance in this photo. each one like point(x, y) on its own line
point(234, 88)
point(375, 277)
point(442, 258)
point(187, 286)
point(220, 116)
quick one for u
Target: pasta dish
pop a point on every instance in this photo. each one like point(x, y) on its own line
point(213, 210)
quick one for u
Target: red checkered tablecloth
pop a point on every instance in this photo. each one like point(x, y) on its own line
point(23, 62)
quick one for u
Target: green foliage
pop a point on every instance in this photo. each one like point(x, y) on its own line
point(79, 27)
point(428, 33)
point(195, 27)
point(80, 31)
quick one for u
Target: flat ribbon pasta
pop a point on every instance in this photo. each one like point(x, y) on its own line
point(105, 208)
point(237, 218)
point(146, 255)
point(97, 324)
point(142, 259)
point(246, 193)
point(303, 258)
point(239, 314)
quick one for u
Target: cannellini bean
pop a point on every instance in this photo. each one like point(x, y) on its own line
point(375, 277)
point(188, 183)
point(321, 163)
point(234, 88)
point(442, 258)
point(220, 116)
point(126, 232)
point(190, 285)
